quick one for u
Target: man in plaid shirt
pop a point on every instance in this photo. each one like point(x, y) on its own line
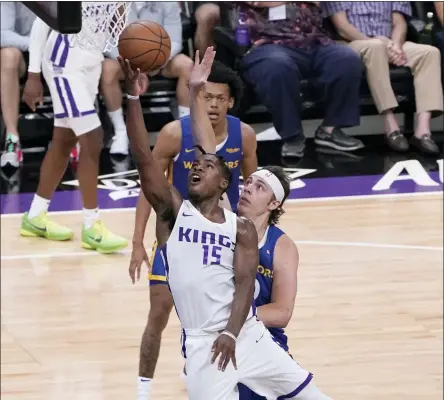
point(377, 31)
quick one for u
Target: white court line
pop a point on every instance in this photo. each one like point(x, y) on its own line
point(308, 242)
point(289, 201)
point(371, 245)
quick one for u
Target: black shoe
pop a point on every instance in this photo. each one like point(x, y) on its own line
point(337, 140)
point(425, 144)
point(397, 141)
point(294, 147)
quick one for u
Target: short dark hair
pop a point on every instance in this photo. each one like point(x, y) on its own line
point(225, 170)
point(220, 73)
point(279, 172)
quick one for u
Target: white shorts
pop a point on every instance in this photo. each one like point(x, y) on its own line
point(73, 94)
point(262, 364)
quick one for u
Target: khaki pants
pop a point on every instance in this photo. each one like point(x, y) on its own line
point(425, 63)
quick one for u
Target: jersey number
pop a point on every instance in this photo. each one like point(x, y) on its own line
point(215, 254)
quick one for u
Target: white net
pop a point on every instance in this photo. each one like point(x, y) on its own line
point(102, 24)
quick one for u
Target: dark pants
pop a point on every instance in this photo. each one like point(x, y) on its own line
point(275, 73)
point(247, 394)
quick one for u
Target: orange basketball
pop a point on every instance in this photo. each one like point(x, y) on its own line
point(146, 45)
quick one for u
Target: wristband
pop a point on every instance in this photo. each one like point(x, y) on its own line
point(131, 97)
point(228, 333)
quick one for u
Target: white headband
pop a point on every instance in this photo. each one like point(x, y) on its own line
point(271, 180)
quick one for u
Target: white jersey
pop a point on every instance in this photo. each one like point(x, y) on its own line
point(199, 261)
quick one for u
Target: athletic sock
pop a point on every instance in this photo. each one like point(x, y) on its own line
point(117, 120)
point(89, 217)
point(38, 205)
point(143, 388)
point(183, 111)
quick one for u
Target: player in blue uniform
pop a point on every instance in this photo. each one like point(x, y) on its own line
point(174, 152)
point(276, 278)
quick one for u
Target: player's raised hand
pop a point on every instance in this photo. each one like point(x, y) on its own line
point(201, 69)
point(33, 91)
point(138, 256)
point(225, 346)
point(132, 78)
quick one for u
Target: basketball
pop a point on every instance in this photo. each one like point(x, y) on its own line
point(146, 45)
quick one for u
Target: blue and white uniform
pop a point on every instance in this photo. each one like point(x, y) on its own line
point(202, 286)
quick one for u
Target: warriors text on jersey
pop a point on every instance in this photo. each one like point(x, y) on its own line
point(230, 150)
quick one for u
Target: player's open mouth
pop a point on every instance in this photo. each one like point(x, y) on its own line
point(195, 178)
point(244, 200)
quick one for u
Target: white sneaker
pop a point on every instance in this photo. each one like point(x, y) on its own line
point(12, 155)
point(120, 144)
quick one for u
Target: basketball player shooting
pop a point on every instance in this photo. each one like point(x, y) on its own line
point(213, 286)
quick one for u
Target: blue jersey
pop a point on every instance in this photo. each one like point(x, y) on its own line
point(262, 294)
point(231, 151)
point(264, 278)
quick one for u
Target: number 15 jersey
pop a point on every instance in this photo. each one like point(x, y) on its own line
point(199, 262)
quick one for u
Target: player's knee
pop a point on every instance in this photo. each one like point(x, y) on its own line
point(10, 59)
point(63, 140)
point(110, 72)
point(184, 65)
point(161, 304)
point(207, 15)
point(91, 143)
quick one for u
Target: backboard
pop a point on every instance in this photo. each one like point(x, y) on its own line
point(62, 16)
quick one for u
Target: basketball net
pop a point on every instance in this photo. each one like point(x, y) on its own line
point(102, 24)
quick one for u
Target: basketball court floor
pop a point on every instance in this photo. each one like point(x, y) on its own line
point(368, 320)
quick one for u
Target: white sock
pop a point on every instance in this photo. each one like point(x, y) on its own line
point(117, 120)
point(183, 111)
point(13, 137)
point(90, 216)
point(143, 388)
point(38, 205)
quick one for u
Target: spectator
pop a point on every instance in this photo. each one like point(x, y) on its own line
point(289, 44)
point(207, 15)
point(16, 24)
point(179, 66)
point(439, 7)
point(377, 31)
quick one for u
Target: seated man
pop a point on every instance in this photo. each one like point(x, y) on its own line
point(179, 66)
point(290, 44)
point(16, 24)
point(439, 8)
point(378, 33)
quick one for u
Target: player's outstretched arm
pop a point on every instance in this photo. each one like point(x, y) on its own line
point(162, 197)
point(203, 133)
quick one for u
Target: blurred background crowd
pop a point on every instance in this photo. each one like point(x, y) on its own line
point(335, 61)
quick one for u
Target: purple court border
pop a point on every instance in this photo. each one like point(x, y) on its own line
point(315, 188)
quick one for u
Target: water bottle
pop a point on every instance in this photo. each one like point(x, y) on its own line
point(241, 32)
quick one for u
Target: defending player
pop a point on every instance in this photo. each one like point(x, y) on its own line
point(72, 75)
point(213, 286)
point(174, 152)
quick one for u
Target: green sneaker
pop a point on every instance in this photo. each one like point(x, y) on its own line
point(101, 239)
point(42, 226)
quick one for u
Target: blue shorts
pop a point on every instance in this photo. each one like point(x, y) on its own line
point(247, 394)
point(158, 272)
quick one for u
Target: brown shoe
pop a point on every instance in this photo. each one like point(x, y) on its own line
point(425, 144)
point(397, 141)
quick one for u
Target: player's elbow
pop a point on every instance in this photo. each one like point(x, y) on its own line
point(285, 316)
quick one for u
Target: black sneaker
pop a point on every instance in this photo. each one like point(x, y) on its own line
point(337, 140)
point(294, 147)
